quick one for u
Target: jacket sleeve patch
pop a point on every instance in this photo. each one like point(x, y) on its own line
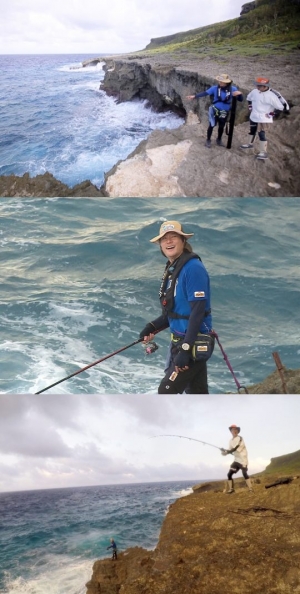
point(199, 294)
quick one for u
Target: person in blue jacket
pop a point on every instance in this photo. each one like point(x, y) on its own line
point(185, 300)
point(218, 112)
point(113, 546)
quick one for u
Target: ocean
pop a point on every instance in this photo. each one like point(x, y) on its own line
point(54, 117)
point(80, 278)
point(51, 538)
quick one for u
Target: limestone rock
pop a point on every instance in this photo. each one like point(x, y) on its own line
point(152, 174)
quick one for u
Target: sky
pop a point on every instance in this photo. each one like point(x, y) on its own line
point(66, 440)
point(108, 26)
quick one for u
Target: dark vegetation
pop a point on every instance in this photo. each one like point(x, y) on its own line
point(271, 24)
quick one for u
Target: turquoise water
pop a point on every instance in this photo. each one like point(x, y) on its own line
point(54, 117)
point(80, 278)
point(50, 538)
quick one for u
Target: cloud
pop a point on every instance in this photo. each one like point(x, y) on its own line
point(112, 27)
point(66, 440)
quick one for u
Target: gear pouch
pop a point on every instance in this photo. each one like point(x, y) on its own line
point(203, 347)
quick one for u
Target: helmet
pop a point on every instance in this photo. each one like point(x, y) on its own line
point(262, 81)
point(234, 427)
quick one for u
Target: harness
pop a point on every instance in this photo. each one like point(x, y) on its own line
point(222, 113)
point(166, 295)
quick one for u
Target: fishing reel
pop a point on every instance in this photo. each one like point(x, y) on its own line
point(150, 347)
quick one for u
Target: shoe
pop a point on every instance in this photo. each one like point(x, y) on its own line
point(245, 146)
point(262, 155)
point(219, 142)
point(208, 143)
point(230, 492)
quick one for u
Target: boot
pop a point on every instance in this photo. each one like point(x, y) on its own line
point(230, 487)
point(249, 484)
point(262, 150)
point(208, 143)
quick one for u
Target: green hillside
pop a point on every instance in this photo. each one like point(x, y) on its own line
point(270, 25)
point(288, 464)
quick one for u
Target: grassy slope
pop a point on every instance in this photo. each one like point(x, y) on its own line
point(272, 24)
point(284, 465)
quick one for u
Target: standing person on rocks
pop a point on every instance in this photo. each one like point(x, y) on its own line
point(264, 103)
point(238, 449)
point(113, 546)
point(218, 112)
point(185, 299)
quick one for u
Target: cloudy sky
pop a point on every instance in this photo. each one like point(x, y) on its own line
point(64, 440)
point(108, 26)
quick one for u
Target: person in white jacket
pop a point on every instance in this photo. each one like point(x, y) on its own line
point(238, 449)
point(263, 103)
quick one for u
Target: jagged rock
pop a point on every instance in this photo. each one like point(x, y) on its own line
point(197, 171)
point(273, 384)
point(44, 186)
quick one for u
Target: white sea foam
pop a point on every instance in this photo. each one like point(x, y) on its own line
point(60, 575)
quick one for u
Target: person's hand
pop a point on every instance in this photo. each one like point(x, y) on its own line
point(182, 361)
point(190, 96)
point(224, 452)
point(147, 332)
point(236, 93)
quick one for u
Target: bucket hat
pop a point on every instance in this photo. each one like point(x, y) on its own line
point(173, 226)
point(224, 78)
point(234, 427)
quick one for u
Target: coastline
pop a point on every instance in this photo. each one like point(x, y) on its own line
point(208, 536)
point(175, 163)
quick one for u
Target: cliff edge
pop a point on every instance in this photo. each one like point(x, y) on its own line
point(214, 543)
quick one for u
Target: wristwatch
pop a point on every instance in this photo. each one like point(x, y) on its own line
point(185, 346)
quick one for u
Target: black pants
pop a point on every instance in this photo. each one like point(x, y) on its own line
point(235, 467)
point(192, 381)
point(221, 125)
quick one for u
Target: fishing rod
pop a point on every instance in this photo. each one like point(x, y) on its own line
point(150, 347)
point(190, 438)
point(231, 122)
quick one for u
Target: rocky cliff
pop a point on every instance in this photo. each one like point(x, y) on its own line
point(214, 543)
point(176, 163)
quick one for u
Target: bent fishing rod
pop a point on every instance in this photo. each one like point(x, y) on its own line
point(190, 438)
point(150, 347)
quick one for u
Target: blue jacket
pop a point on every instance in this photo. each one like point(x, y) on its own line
point(222, 96)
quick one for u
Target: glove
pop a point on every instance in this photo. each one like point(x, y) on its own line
point(224, 452)
point(182, 359)
point(149, 329)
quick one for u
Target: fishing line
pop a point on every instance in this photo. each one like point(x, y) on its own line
point(190, 438)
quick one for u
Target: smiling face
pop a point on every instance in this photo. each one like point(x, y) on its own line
point(172, 245)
